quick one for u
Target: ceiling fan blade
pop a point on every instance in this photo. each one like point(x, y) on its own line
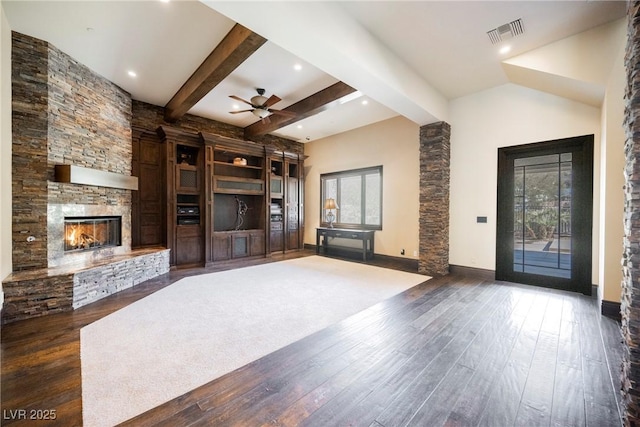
point(283, 113)
point(240, 111)
point(272, 100)
point(237, 98)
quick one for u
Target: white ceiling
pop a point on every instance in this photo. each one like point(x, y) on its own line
point(454, 51)
point(406, 58)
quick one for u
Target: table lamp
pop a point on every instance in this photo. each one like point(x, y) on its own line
point(330, 204)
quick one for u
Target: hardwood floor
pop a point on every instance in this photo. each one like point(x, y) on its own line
point(453, 351)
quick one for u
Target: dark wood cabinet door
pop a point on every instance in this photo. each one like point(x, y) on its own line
point(148, 203)
point(188, 245)
point(277, 243)
point(187, 179)
point(240, 245)
point(221, 246)
point(293, 217)
point(293, 237)
point(151, 213)
point(257, 243)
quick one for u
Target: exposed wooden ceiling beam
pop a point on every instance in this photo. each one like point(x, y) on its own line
point(233, 50)
point(308, 107)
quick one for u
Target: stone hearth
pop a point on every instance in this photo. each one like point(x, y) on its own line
point(35, 293)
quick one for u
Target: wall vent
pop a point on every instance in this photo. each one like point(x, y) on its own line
point(506, 31)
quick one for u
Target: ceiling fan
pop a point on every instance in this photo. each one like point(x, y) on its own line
point(261, 106)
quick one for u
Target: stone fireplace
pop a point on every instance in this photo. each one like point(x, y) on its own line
point(106, 229)
point(97, 262)
point(65, 114)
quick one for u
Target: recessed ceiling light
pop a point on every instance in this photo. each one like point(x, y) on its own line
point(165, 1)
point(505, 49)
point(236, 106)
point(299, 126)
point(365, 102)
point(297, 67)
point(132, 73)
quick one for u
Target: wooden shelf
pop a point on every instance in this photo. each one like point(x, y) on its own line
point(237, 166)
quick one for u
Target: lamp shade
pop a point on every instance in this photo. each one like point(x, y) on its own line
point(260, 112)
point(330, 204)
point(258, 100)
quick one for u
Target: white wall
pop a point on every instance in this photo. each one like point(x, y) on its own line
point(392, 143)
point(481, 123)
point(585, 57)
point(612, 163)
point(5, 149)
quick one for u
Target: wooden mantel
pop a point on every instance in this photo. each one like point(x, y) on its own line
point(85, 176)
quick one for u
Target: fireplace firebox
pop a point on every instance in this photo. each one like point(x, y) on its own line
point(89, 233)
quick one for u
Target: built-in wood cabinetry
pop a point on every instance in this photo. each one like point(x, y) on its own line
point(227, 245)
point(184, 172)
point(237, 195)
point(286, 201)
point(276, 203)
point(148, 219)
point(219, 199)
point(294, 206)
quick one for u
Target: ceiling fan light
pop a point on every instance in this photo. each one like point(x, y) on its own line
point(259, 100)
point(260, 112)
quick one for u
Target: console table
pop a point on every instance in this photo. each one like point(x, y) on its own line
point(366, 236)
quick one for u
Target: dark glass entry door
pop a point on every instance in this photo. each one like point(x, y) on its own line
point(545, 214)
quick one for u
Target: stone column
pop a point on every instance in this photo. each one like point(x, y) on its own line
point(30, 118)
point(630, 305)
point(435, 152)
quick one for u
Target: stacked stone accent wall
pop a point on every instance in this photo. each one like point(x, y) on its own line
point(63, 113)
point(89, 126)
point(435, 153)
point(89, 117)
point(30, 117)
point(630, 304)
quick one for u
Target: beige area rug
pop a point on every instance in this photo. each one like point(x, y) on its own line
point(203, 327)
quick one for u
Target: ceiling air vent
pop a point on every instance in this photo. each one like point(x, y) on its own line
point(506, 31)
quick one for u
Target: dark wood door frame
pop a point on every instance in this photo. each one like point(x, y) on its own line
point(581, 218)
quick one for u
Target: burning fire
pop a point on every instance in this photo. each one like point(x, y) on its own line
point(80, 240)
point(71, 238)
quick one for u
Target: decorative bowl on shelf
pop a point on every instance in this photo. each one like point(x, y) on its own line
point(240, 161)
